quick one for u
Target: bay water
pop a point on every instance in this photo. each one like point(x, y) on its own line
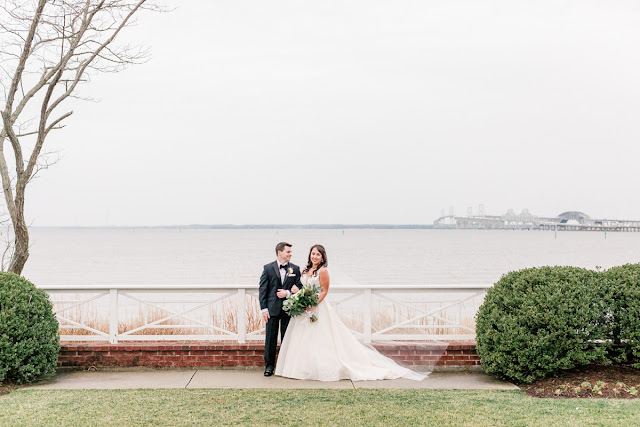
point(157, 256)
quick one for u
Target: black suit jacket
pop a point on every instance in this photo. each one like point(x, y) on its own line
point(270, 282)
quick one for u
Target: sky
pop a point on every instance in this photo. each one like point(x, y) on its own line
point(351, 112)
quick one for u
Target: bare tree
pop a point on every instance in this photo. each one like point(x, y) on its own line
point(47, 49)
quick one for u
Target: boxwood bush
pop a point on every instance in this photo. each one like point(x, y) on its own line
point(29, 341)
point(624, 285)
point(537, 321)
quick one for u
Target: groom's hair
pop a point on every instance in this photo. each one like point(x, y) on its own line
point(280, 246)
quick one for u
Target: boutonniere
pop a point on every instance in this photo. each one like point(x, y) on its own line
point(290, 270)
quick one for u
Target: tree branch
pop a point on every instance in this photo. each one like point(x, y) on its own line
point(25, 54)
point(15, 142)
point(55, 122)
point(95, 54)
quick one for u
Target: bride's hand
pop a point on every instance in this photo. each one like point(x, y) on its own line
point(294, 289)
point(310, 309)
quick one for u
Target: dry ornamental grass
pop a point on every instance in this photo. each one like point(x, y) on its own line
point(226, 318)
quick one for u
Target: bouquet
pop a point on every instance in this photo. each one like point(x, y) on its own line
point(296, 304)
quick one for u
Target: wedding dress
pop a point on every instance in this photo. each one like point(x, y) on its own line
point(326, 350)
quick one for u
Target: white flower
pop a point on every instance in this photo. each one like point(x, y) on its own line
point(290, 270)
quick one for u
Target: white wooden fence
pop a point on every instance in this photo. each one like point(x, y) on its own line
point(231, 312)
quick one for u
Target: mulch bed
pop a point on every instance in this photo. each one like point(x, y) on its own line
point(6, 388)
point(616, 381)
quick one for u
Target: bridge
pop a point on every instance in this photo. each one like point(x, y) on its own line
point(566, 221)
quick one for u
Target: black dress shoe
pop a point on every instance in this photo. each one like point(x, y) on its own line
point(268, 371)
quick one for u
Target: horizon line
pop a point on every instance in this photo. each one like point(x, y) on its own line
point(246, 226)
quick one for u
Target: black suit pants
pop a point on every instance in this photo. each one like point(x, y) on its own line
point(271, 339)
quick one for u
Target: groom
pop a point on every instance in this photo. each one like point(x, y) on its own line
point(276, 282)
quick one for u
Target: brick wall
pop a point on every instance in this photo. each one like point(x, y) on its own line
point(452, 356)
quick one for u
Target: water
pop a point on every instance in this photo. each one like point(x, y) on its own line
point(365, 257)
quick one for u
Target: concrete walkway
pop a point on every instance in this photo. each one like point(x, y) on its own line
point(255, 379)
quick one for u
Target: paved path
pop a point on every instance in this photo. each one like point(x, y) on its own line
point(255, 379)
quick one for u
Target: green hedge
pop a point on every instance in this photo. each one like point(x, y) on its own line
point(624, 283)
point(538, 321)
point(29, 341)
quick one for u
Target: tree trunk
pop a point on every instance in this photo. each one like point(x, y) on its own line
point(21, 232)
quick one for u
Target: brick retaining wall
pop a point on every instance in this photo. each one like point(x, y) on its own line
point(452, 356)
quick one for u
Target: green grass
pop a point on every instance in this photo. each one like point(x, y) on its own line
point(306, 407)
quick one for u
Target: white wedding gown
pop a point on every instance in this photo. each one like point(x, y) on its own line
point(326, 350)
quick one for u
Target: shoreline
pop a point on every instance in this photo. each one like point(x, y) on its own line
point(248, 227)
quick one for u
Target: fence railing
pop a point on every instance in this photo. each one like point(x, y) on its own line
point(231, 312)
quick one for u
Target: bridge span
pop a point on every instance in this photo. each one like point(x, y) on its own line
point(566, 221)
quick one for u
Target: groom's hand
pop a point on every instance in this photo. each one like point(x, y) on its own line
point(282, 293)
point(265, 316)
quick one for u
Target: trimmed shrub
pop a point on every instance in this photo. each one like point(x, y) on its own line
point(624, 285)
point(538, 321)
point(29, 341)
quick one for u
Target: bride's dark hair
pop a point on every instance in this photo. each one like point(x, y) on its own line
point(323, 263)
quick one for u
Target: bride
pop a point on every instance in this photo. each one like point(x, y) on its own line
point(326, 350)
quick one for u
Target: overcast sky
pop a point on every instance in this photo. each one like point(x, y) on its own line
point(356, 112)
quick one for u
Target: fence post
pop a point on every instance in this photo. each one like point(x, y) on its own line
point(242, 316)
point(113, 316)
point(367, 316)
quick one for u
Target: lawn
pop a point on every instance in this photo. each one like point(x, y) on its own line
point(306, 407)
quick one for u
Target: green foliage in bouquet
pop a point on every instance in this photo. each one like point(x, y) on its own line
point(538, 321)
point(624, 285)
point(29, 341)
point(297, 303)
